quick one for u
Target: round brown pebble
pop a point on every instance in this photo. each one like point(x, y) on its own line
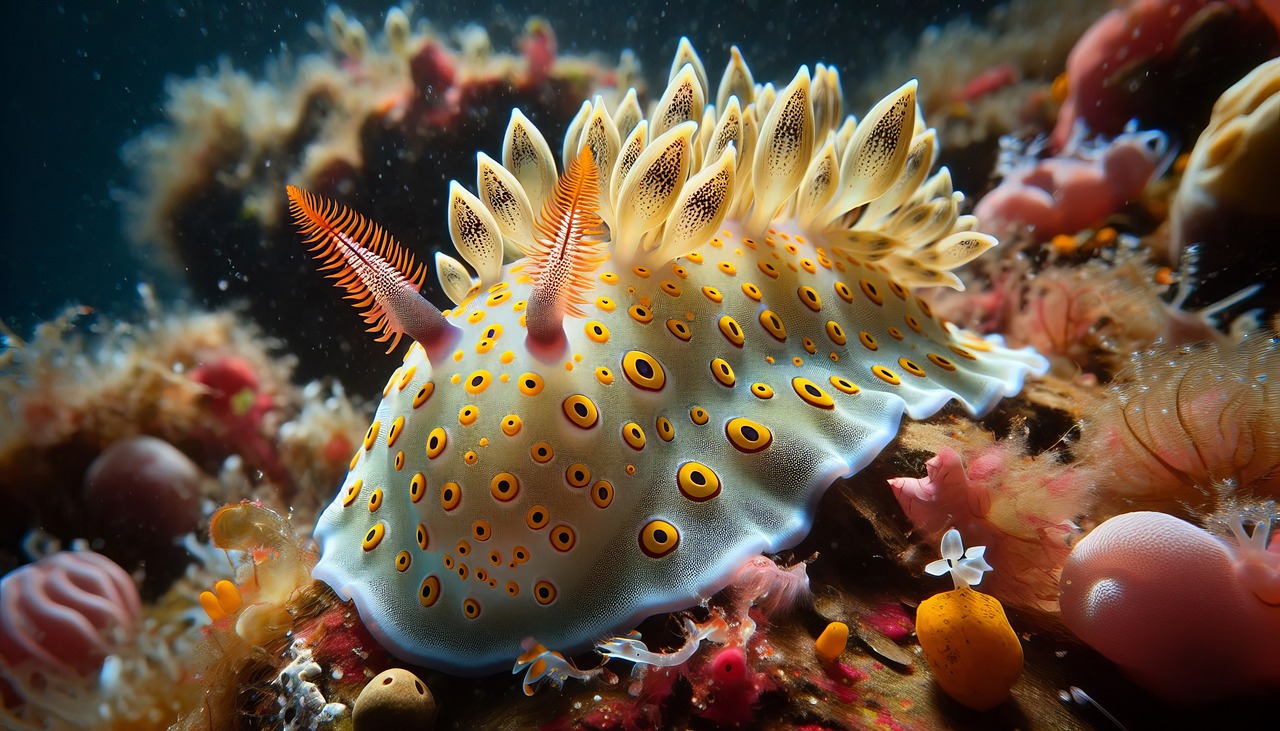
point(394, 697)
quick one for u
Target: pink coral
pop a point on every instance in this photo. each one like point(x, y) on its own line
point(63, 615)
point(1074, 191)
point(1180, 610)
point(1020, 509)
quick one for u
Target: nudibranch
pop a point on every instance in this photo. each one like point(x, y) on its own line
point(653, 379)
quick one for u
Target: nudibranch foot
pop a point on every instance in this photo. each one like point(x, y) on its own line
point(657, 391)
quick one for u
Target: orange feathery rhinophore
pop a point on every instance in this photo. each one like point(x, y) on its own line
point(565, 252)
point(377, 273)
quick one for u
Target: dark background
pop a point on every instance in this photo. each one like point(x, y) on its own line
point(85, 77)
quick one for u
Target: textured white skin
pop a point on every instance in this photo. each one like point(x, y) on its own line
point(605, 582)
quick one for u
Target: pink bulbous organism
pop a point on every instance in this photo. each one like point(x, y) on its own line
point(1189, 616)
point(1072, 192)
point(63, 615)
point(144, 490)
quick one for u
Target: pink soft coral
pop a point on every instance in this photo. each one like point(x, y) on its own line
point(1189, 616)
point(1020, 508)
point(63, 615)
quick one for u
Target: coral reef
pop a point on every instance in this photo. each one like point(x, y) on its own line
point(1124, 578)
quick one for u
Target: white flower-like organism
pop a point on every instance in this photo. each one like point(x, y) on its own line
point(966, 567)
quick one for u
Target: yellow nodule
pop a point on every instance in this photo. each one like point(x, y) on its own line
point(974, 653)
point(832, 642)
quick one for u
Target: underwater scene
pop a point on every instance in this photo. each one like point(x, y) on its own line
point(672, 366)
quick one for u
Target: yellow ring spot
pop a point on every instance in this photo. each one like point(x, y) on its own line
point(962, 352)
point(679, 329)
point(639, 271)
point(374, 536)
point(597, 332)
point(531, 384)
point(910, 367)
point(643, 370)
point(511, 425)
point(420, 535)
point(942, 362)
point(417, 487)
point(812, 394)
point(606, 304)
point(871, 292)
point(914, 324)
point(697, 481)
point(810, 347)
point(513, 589)
point(578, 475)
point(403, 561)
point(542, 452)
point(581, 411)
point(493, 332)
point(666, 431)
point(844, 385)
point(728, 268)
point(429, 592)
point(768, 269)
point(397, 426)
point(604, 376)
point(752, 291)
point(375, 500)
point(886, 375)
point(713, 294)
point(399, 460)
point(478, 381)
point(898, 289)
point(468, 415)
point(925, 309)
point(352, 491)
point(761, 390)
point(670, 288)
point(409, 373)
point(544, 592)
point(371, 435)
point(504, 487)
point(895, 333)
point(450, 495)
point(436, 441)
point(471, 607)
point(699, 415)
point(495, 558)
point(562, 538)
point(476, 316)
point(809, 296)
point(770, 321)
point(602, 494)
point(520, 554)
point(470, 456)
point(807, 265)
point(537, 517)
point(640, 314)
point(845, 293)
point(480, 530)
point(633, 435)
point(868, 340)
point(748, 436)
point(723, 372)
point(694, 256)
point(658, 538)
point(679, 271)
point(498, 298)
point(836, 333)
point(732, 331)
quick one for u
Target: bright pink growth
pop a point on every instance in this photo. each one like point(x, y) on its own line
point(63, 615)
point(889, 619)
point(239, 408)
point(1145, 30)
point(1064, 195)
point(1180, 610)
point(539, 48)
point(734, 688)
point(1020, 509)
point(995, 78)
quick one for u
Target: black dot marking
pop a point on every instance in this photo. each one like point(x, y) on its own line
point(643, 368)
point(750, 433)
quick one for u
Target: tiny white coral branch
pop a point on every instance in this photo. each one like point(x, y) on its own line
point(966, 567)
